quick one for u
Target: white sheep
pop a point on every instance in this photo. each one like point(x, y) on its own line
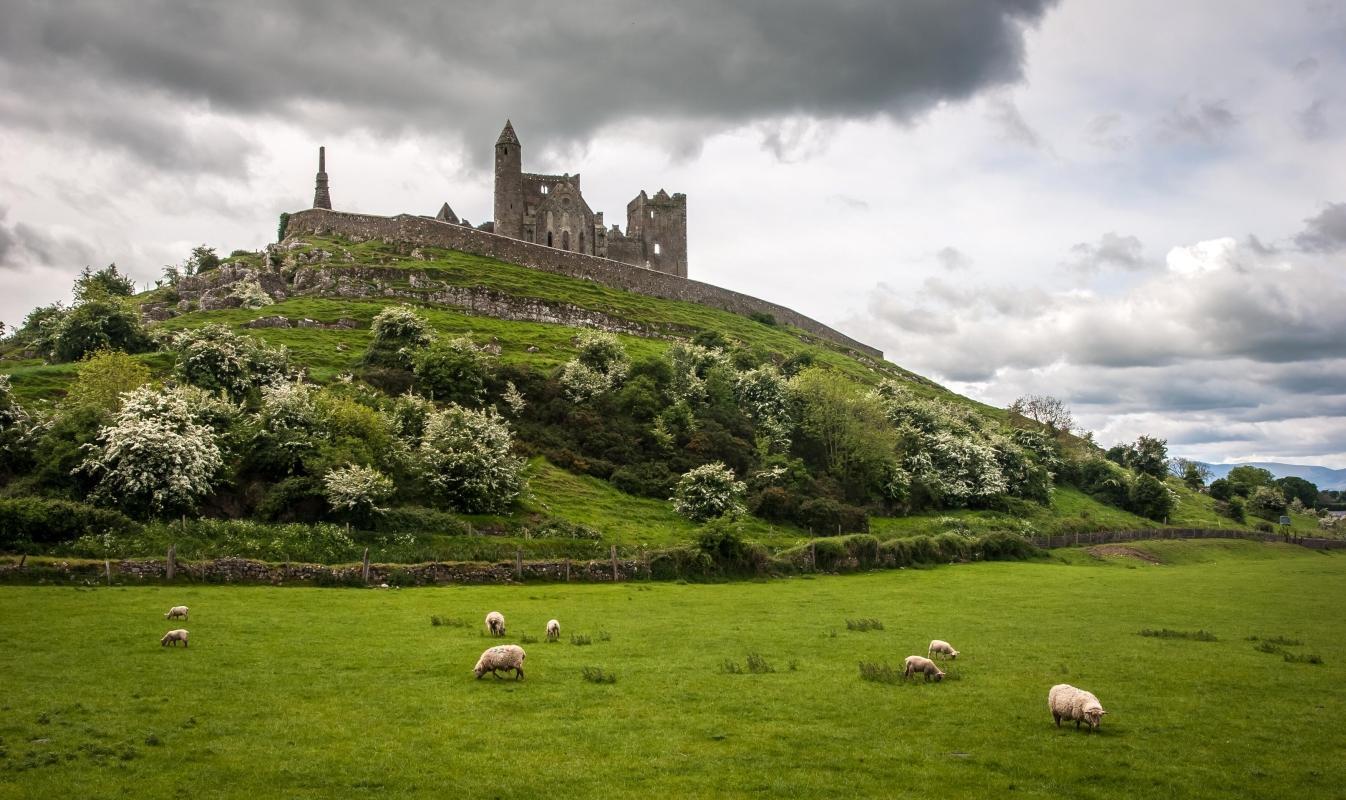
point(495, 623)
point(553, 630)
point(173, 637)
point(502, 656)
point(1067, 702)
point(941, 647)
point(923, 665)
point(176, 612)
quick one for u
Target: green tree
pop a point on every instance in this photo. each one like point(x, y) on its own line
point(104, 376)
point(1149, 497)
point(106, 282)
point(1294, 487)
point(1246, 478)
point(99, 323)
point(845, 427)
point(453, 371)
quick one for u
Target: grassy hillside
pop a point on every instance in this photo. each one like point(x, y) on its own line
point(313, 692)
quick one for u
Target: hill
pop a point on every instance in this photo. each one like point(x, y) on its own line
point(1325, 478)
point(815, 434)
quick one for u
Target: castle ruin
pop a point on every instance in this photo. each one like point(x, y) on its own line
point(550, 210)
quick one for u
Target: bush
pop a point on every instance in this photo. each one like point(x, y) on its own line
point(398, 331)
point(100, 323)
point(453, 371)
point(1267, 502)
point(1149, 497)
point(465, 457)
point(646, 479)
point(410, 519)
point(824, 516)
point(41, 521)
point(708, 491)
point(216, 358)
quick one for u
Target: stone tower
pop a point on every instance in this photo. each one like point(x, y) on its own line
point(321, 199)
point(659, 223)
point(508, 184)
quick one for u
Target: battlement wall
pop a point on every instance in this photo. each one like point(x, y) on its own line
point(424, 231)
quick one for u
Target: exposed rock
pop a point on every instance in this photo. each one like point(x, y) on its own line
point(269, 322)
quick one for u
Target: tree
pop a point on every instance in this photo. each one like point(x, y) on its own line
point(1221, 489)
point(465, 458)
point(1193, 473)
point(707, 492)
point(106, 282)
point(1244, 479)
point(1298, 488)
point(398, 332)
point(1267, 502)
point(156, 458)
point(202, 259)
point(1044, 410)
point(1149, 455)
point(357, 490)
point(104, 376)
point(1149, 497)
point(98, 323)
point(453, 371)
point(599, 367)
point(847, 428)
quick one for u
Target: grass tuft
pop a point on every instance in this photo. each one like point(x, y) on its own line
point(581, 639)
point(598, 675)
point(1281, 640)
point(879, 673)
point(868, 624)
point(1164, 633)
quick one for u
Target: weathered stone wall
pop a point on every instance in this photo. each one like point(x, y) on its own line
point(428, 232)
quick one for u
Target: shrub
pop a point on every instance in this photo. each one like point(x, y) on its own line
point(357, 490)
point(398, 331)
point(156, 457)
point(581, 639)
point(763, 317)
point(863, 625)
point(722, 543)
point(41, 521)
point(824, 517)
point(879, 673)
point(465, 457)
point(600, 366)
point(216, 358)
point(708, 491)
point(100, 323)
point(106, 282)
point(453, 371)
point(758, 665)
point(1267, 502)
point(1149, 497)
point(646, 478)
point(598, 675)
point(104, 376)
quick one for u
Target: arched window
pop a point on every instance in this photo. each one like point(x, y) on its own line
point(549, 238)
point(657, 249)
point(565, 240)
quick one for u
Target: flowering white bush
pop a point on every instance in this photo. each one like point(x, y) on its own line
point(156, 457)
point(514, 399)
point(465, 457)
point(763, 394)
point(955, 470)
point(599, 367)
point(356, 489)
point(401, 325)
point(289, 405)
point(250, 294)
point(690, 363)
point(215, 358)
point(707, 492)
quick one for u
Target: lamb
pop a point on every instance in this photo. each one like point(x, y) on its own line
point(176, 612)
point(495, 623)
point(1067, 702)
point(553, 630)
point(941, 647)
point(924, 665)
point(502, 656)
point(174, 636)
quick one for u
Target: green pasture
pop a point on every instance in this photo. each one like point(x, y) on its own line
point(350, 692)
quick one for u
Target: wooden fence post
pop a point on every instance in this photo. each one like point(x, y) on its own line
point(365, 571)
point(813, 556)
point(518, 563)
point(107, 569)
point(172, 567)
point(567, 570)
point(614, 563)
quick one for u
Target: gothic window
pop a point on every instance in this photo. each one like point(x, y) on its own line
point(565, 202)
point(656, 248)
point(545, 188)
point(549, 238)
point(651, 213)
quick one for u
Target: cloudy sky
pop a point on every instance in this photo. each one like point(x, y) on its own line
point(1139, 208)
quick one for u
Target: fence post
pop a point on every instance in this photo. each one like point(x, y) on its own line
point(365, 571)
point(172, 566)
point(567, 570)
point(107, 569)
point(614, 563)
point(518, 563)
point(813, 556)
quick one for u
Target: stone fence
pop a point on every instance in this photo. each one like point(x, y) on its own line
point(423, 231)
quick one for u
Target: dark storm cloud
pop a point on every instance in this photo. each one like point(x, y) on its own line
point(1326, 232)
point(561, 71)
point(23, 246)
point(1113, 251)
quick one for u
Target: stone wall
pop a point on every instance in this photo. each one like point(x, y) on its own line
point(422, 231)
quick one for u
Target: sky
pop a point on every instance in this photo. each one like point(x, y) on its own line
point(1138, 208)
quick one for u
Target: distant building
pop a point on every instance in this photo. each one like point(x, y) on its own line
point(551, 210)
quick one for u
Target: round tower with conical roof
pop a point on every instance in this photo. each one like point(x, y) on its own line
point(508, 184)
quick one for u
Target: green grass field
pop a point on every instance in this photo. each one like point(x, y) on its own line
point(328, 692)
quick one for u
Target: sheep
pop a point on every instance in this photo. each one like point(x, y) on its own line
point(553, 630)
point(502, 656)
point(1067, 702)
point(924, 665)
point(495, 623)
point(941, 647)
point(174, 636)
point(176, 612)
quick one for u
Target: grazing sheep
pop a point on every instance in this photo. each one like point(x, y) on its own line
point(941, 647)
point(1067, 702)
point(553, 630)
point(502, 656)
point(924, 665)
point(176, 612)
point(495, 623)
point(173, 637)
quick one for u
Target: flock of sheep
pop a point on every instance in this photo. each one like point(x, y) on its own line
point(1065, 701)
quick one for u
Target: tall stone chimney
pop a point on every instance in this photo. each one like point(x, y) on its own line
point(321, 199)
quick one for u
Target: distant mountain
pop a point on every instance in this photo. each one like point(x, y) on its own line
point(1322, 477)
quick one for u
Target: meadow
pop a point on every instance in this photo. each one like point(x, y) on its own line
point(323, 692)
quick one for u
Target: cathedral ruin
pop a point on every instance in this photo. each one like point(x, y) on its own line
point(551, 210)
